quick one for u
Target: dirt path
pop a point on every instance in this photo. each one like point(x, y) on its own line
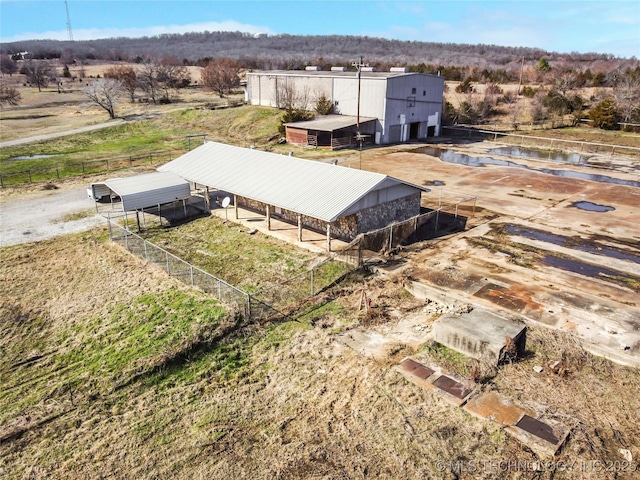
point(46, 214)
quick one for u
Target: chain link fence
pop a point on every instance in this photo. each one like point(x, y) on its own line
point(261, 305)
point(242, 302)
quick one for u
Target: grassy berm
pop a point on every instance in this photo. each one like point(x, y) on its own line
point(111, 369)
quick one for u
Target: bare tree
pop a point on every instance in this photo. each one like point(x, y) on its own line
point(105, 93)
point(8, 66)
point(39, 73)
point(160, 76)
point(125, 75)
point(9, 95)
point(626, 93)
point(221, 75)
point(148, 80)
point(171, 75)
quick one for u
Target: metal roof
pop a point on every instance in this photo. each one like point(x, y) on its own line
point(336, 74)
point(315, 189)
point(150, 189)
point(330, 123)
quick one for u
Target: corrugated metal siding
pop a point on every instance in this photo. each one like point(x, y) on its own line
point(148, 190)
point(316, 189)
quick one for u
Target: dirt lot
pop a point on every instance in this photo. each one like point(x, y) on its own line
point(526, 235)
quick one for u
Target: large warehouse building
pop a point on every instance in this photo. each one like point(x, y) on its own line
point(386, 107)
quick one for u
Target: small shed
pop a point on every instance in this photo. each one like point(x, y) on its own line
point(143, 191)
point(332, 131)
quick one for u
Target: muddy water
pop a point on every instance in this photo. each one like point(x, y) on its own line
point(589, 270)
point(451, 156)
point(581, 244)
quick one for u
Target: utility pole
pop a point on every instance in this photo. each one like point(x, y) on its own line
point(66, 5)
point(358, 74)
point(359, 134)
point(521, 69)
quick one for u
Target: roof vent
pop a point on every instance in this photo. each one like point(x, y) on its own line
point(338, 69)
point(312, 68)
point(399, 69)
point(367, 69)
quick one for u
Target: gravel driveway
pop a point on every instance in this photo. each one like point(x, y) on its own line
point(45, 214)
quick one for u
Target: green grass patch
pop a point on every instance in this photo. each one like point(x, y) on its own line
point(249, 262)
point(98, 354)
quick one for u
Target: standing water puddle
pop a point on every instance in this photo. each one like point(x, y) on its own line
point(592, 207)
point(577, 244)
point(589, 270)
point(559, 157)
point(451, 156)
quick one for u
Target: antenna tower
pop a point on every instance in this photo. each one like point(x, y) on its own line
point(66, 5)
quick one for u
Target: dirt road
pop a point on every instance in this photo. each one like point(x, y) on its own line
point(45, 214)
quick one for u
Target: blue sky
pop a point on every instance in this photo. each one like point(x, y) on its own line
point(607, 26)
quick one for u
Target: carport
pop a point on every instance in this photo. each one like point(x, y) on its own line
point(333, 131)
point(140, 192)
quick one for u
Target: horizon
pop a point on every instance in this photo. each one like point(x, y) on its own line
point(595, 26)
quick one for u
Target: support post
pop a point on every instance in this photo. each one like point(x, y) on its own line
point(268, 217)
point(299, 227)
point(207, 199)
point(235, 205)
point(328, 236)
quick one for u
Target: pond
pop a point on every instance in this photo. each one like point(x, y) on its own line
point(451, 156)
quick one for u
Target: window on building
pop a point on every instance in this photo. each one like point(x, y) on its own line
point(413, 91)
point(411, 101)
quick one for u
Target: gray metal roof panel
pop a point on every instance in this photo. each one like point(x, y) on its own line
point(330, 122)
point(311, 188)
point(143, 183)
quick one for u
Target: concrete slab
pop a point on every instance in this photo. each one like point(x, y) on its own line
point(452, 387)
point(496, 408)
point(543, 436)
point(479, 334)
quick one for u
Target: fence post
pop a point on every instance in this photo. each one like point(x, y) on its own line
point(312, 270)
point(29, 171)
point(248, 306)
point(168, 267)
point(126, 238)
point(191, 273)
point(107, 162)
point(219, 290)
point(146, 257)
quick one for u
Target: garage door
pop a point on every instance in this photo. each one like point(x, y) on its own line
point(394, 133)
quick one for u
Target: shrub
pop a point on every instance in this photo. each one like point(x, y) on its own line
point(605, 115)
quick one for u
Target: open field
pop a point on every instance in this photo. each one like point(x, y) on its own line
point(117, 370)
point(112, 369)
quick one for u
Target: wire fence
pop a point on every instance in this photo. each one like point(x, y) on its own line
point(545, 143)
point(267, 303)
point(240, 301)
point(69, 169)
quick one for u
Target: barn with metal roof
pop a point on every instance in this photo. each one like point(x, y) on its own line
point(323, 197)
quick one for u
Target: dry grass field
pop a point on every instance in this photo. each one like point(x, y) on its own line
point(111, 369)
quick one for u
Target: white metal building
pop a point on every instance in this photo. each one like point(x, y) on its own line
point(142, 191)
point(406, 105)
point(324, 197)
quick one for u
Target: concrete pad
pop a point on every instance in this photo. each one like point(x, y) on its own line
point(416, 373)
point(543, 436)
point(493, 406)
point(452, 390)
point(479, 334)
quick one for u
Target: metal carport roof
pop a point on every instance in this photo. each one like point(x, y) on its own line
point(330, 123)
point(148, 190)
point(315, 189)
